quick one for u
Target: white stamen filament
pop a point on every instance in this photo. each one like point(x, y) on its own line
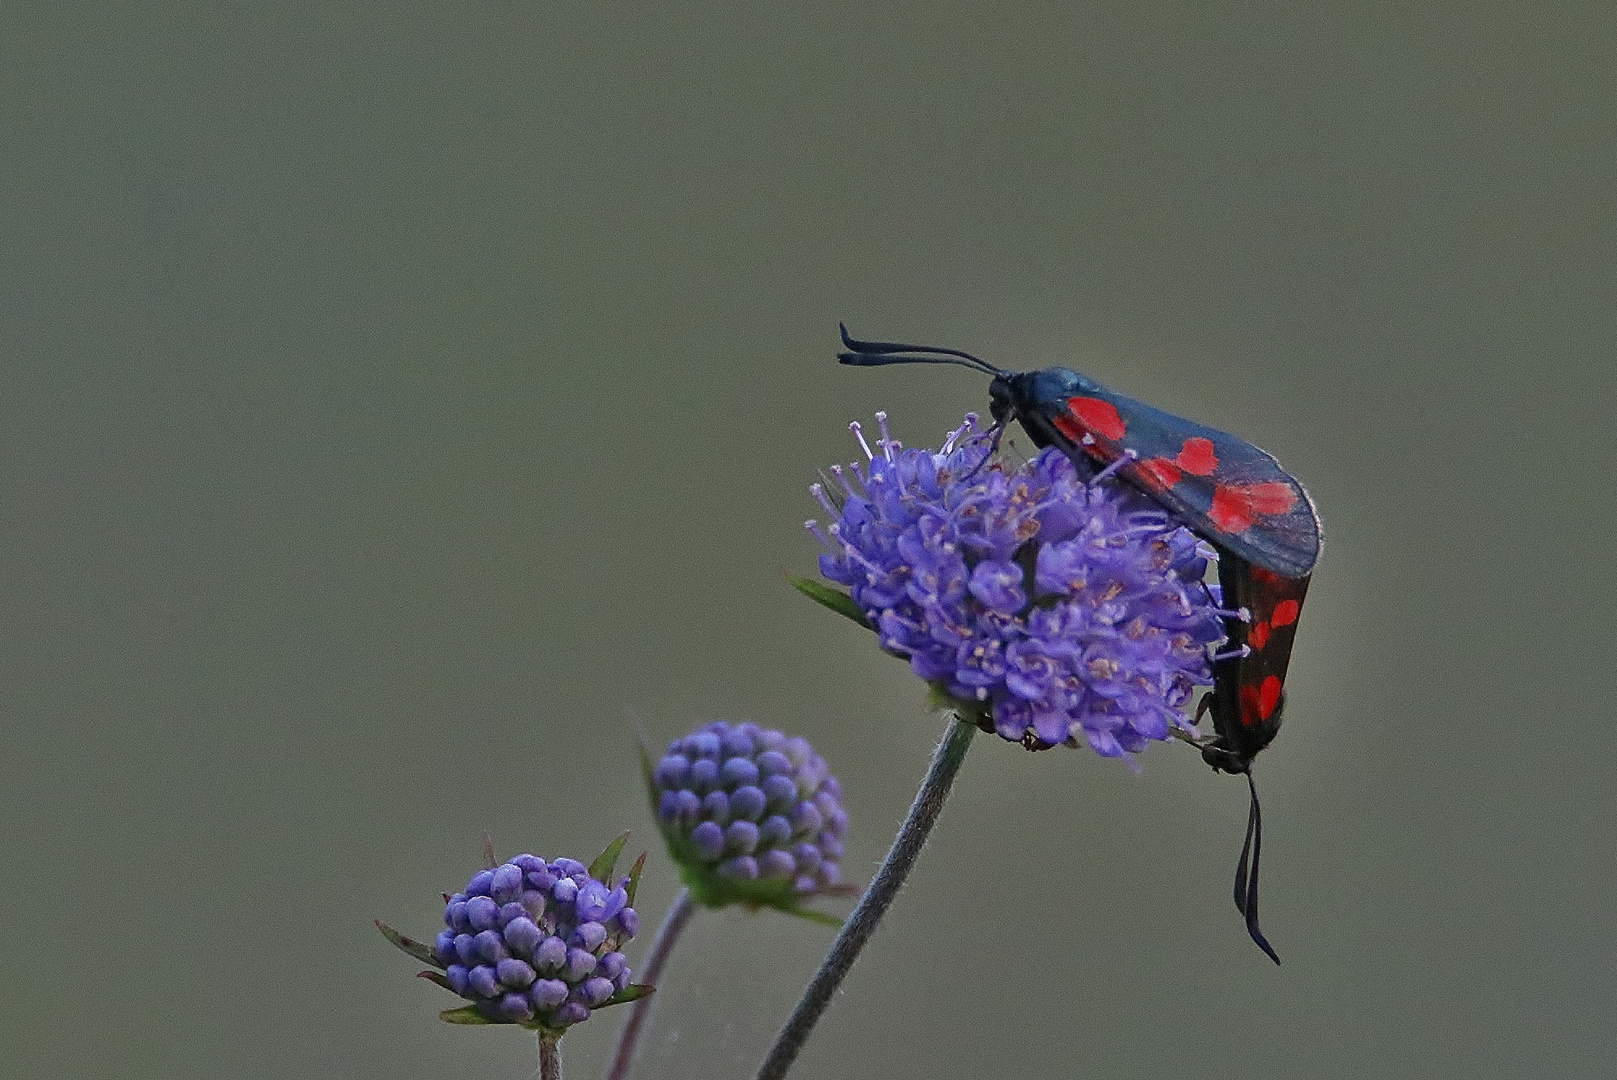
point(859, 433)
point(818, 491)
point(842, 479)
point(1127, 457)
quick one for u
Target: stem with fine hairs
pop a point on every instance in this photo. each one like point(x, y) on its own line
point(874, 904)
point(639, 1011)
point(549, 1056)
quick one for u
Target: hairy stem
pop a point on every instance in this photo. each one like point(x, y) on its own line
point(874, 904)
point(639, 1011)
point(549, 1057)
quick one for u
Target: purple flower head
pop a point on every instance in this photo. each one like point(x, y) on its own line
point(750, 815)
point(548, 955)
point(1047, 607)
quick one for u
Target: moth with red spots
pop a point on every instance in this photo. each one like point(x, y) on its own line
point(1225, 490)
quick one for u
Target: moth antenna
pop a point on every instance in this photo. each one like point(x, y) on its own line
point(881, 353)
point(1246, 886)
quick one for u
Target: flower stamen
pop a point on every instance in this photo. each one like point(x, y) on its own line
point(859, 433)
point(1127, 457)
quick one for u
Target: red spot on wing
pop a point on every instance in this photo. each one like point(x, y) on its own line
point(1229, 512)
point(1250, 704)
point(1159, 471)
point(1258, 703)
point(1268, 696)
point(1237, 509)
point(1285, 613)
point(1197, 457)
point(1098, 416)
point(1068, 427)
point(1268, 577)
point(1271, 498)
point(1259, 635)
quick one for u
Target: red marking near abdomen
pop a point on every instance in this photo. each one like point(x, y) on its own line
point(1237, 509)
point(1249, 706)
point(1259, 636)
point(1160, 471)
point(1197, 457)
point(1098, 416)
point(1285, 613)
point(1268, 696)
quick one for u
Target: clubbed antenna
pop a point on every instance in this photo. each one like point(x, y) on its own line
point(880, 353)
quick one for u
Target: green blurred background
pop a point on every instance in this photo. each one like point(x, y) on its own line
point(398, 396)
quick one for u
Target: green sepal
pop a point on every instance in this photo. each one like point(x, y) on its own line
point(436, 977)
point(646, 768)
point(835, 599)
point(417, 949)
point(712, 889)
point(634, 877)
point(601, 868)
point(645, 762)
point(470, 1016)
point(632, 992)
point(824, 918)
point(467, 1015)
point(979, 714)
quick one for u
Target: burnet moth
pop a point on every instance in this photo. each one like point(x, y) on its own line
point(1225, 490)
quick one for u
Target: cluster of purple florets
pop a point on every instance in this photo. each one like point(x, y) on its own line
point(1061, 608)
point(751, 804)
point(537, 941)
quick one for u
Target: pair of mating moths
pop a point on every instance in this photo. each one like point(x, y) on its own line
point(1222, 488)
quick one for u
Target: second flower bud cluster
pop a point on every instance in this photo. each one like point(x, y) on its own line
point(752, 804)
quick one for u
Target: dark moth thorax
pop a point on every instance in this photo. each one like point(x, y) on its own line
point(1018, 396)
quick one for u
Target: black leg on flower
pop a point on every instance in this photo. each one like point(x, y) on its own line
point(1246, 885)
point(993, 435)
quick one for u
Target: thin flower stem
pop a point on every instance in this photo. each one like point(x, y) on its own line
point(874, 904)
point(679, 913)
point(549, 1057)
